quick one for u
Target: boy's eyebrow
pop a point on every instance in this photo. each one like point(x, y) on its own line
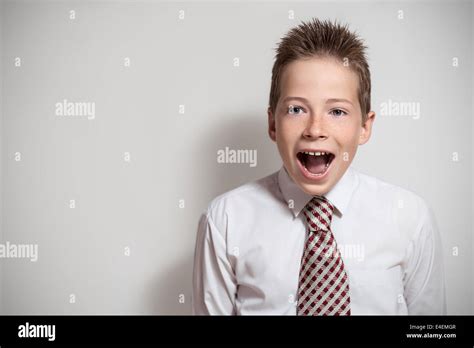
point(296, 98)
point(331, 100)
point(341, 100)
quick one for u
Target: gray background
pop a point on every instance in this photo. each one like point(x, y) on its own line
point(173, 156)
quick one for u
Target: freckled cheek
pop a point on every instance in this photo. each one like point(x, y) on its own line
point(287, 138)
point(289, 130)
point(347, 138)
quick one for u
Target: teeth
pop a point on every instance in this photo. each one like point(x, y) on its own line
point(315, 153)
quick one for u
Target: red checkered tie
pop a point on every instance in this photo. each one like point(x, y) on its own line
point(323, 283)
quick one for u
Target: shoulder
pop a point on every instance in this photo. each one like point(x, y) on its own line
point(409, 210)
point(380, 189)
point(243, 200)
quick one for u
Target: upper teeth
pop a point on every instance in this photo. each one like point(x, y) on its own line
point(315, 153)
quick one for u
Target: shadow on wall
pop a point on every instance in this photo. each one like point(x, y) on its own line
point(166, 289)
point(238, 132)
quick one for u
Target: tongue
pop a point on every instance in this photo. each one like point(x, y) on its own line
point(316, 164)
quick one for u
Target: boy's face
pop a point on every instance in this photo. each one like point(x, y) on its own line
point(318, 111)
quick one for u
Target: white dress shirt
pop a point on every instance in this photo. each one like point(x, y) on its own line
point(250, 242)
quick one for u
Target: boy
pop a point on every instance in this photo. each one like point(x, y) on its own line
point(318, 237)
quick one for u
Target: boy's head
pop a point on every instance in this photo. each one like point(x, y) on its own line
point(319, 102)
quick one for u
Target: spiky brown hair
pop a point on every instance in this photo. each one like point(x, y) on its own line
point(318, 38)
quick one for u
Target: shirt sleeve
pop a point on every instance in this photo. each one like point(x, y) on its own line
point(424, 282)
point(214, 282)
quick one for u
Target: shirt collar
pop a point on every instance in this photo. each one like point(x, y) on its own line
point(339, 195)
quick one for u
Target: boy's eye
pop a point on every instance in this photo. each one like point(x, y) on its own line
point(338, 112)
point(294, 110)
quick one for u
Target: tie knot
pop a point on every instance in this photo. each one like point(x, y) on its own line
point(318, 213)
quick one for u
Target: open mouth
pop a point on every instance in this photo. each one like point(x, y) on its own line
point(316, 163)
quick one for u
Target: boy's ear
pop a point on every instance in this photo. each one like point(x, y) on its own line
point(271, 125)
point(366, 129)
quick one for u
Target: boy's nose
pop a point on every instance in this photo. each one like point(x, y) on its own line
point(315, 128)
